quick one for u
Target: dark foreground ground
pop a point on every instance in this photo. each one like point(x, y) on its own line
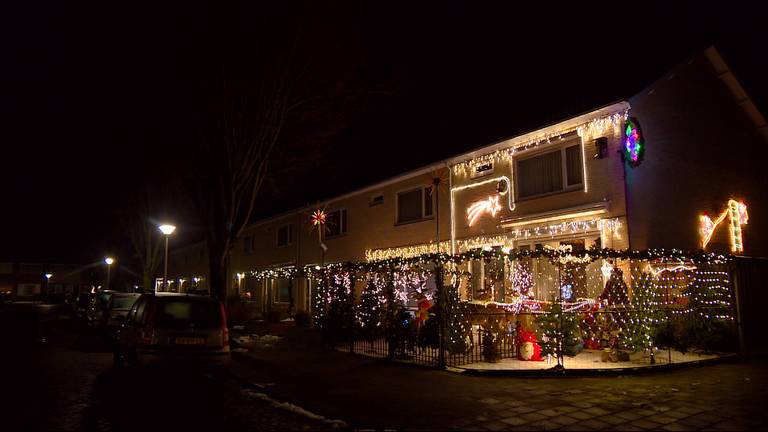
point(57, 376)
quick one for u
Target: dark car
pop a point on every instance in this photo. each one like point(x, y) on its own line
point(120, 303)
point(174, 329)
point(97, 311)
point(81, 305)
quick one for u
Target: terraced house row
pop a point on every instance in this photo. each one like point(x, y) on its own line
point(677, 165)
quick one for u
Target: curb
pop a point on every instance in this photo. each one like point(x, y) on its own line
point(639, 370)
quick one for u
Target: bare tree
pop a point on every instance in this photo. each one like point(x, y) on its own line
point(288, 70)
point(145, 238)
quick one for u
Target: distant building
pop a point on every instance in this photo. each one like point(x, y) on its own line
point(42, 281)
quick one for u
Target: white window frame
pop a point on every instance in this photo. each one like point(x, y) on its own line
point(563, 169)
point(345, 224)
point(424, 193)
point(488, 171)
point(373, 202)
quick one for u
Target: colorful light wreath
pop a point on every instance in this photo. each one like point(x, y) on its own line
point(634, 143)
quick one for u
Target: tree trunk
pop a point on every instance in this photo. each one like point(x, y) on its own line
point(218, 278)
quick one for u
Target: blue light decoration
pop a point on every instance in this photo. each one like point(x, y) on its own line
point(634, 142)
point(567, 291)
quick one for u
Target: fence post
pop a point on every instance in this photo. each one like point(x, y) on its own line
point(735, 276)
point(389, 336)
point(440, 315)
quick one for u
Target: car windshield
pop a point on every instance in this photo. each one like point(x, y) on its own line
point(184, 313)
point(123, 301)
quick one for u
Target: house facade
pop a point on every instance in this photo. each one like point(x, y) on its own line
point(667, 168)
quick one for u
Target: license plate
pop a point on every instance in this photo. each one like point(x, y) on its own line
point(189, 341)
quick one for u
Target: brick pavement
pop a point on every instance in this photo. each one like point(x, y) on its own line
point(369, 393)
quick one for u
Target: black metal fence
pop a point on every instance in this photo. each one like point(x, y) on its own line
point(658, 315)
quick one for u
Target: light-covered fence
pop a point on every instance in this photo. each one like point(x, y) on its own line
point(507, 309)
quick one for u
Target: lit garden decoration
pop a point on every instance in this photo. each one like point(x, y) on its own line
point(634, 142)
point(545, 309)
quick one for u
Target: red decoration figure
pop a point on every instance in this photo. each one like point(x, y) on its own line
point(527, 347)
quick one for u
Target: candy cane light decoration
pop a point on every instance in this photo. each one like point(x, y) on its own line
point(737, 216)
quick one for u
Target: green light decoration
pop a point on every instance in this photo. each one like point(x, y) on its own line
point(634, 142)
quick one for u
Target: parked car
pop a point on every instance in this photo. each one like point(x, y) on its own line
point(97, 311)
point(81, 305)
point(174, 329)
point(119, 305)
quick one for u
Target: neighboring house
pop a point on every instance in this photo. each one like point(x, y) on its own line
point(28, 281)
point(569, 183)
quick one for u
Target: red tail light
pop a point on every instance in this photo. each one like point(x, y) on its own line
point(147, 333)
point(224, 329)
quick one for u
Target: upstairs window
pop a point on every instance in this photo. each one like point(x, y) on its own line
point(414, 205)
point(285, 235)
point(248, 245)
point(376, 200)
point(550, 172)
point(336, 223)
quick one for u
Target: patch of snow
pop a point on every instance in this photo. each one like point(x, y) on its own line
point(294, 409)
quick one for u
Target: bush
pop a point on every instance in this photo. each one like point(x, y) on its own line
point(274, 315)
point(302, 318)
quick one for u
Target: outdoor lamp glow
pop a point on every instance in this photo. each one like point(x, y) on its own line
point(167, 229)
point(109, 260)
point(48, 275)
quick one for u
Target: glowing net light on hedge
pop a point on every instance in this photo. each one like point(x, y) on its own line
point(737, 215)
point(634, 143)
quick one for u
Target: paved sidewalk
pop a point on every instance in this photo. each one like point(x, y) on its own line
point(370, 393)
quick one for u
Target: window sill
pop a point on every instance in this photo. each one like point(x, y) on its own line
point(414, 221)
point(576, 188)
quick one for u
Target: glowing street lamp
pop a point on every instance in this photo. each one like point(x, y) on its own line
point(108, 261)
point(167, 230)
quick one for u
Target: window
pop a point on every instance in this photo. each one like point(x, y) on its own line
point(336, 223)
point(285, 235)
point(283, 291)
point(248, 245)
point(550, 172)
point(414, 205)
point(376, 200)
point(482, 170)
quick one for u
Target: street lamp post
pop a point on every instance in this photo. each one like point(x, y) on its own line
point(167, 230)
point(47, 284)
point(108, 261)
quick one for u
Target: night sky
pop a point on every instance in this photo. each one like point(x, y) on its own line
point(96, 96)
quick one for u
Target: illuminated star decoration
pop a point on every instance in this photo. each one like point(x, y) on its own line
point(738, 216)
point(634, 145)
point(319, 219)
point(491, 205)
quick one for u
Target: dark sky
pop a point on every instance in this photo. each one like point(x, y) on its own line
point(96, 95)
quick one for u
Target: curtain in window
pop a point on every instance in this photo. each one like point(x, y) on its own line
point(540, 174)
point(573, 165)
